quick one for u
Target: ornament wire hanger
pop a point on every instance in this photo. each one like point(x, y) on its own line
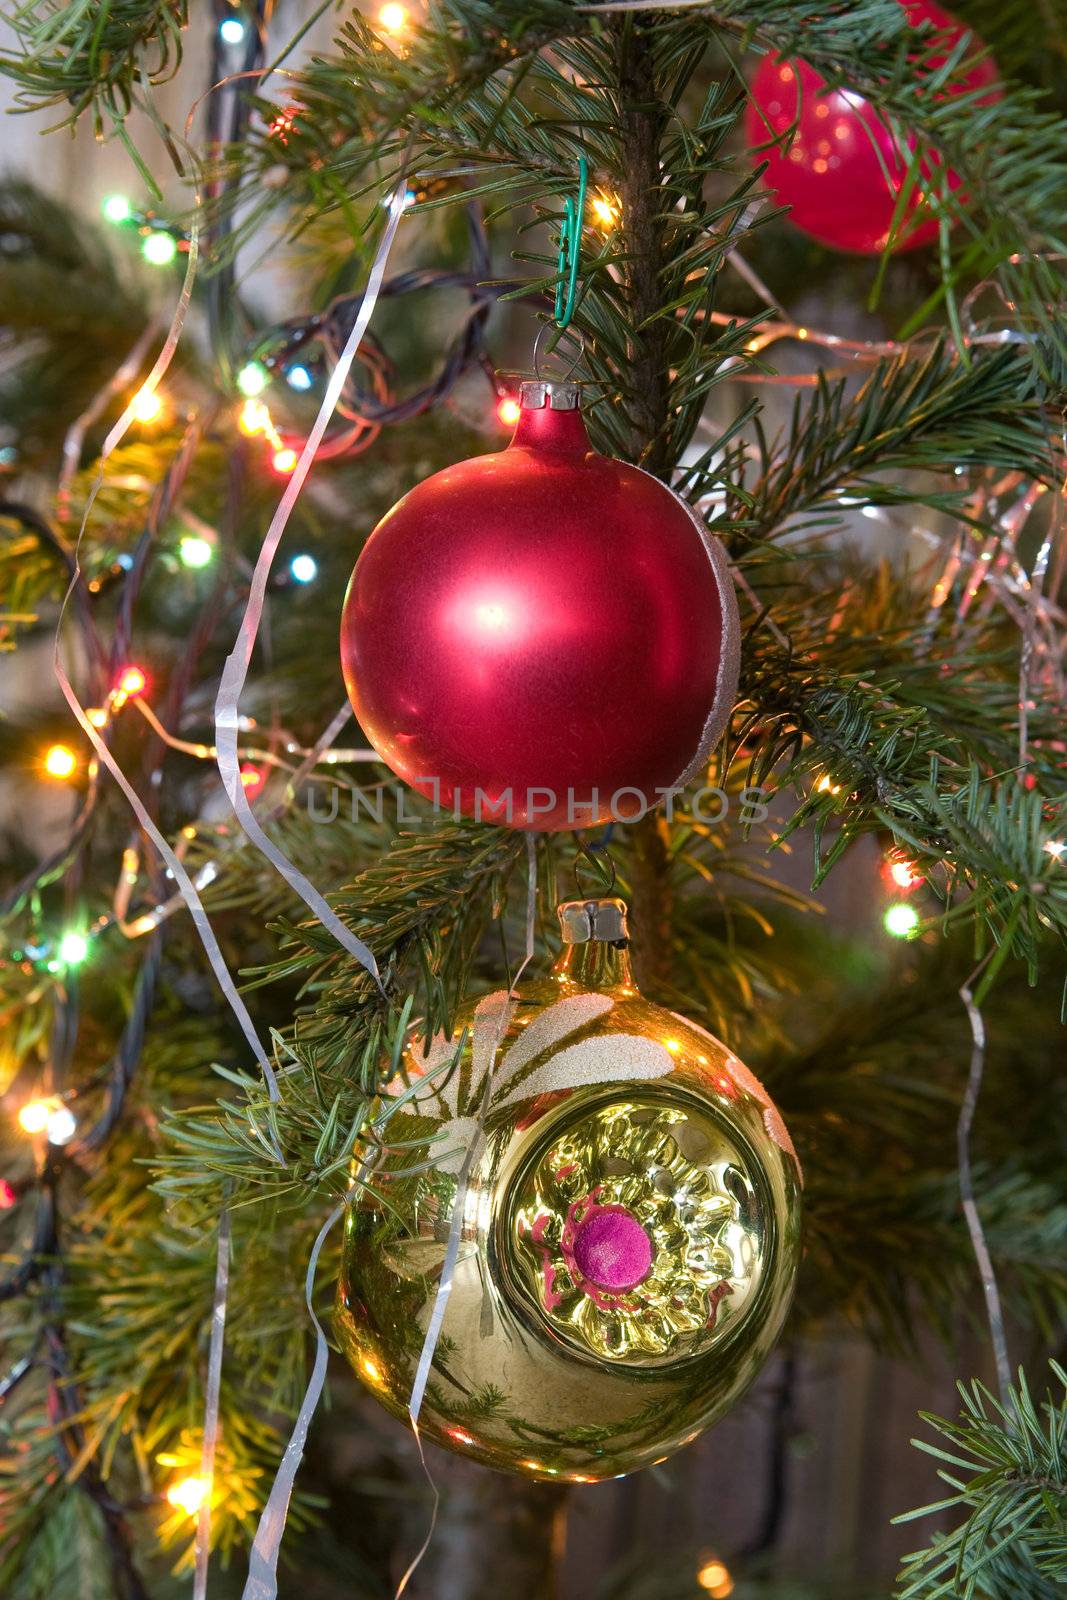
point(570, 250)
point(568, 262)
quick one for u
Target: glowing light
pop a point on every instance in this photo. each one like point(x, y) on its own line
point(98, 716)
point(254, 418)
point(195, 551)
point(370, 1369)
point(299, 377)
point(60, 761)
point(147, 406)
point(8, 1197)
point(282, 126)
point(393, 18)
point(606, 212)
point(493, 618)
point(252, 779)
point(900, 920)
point(73, 948)
point(1054, 848)
point(159, 249)
point(714, 1578)
point(117, 208)
point(131, 682)
point(189, 1495)
point(673, 1045)
point(826, 785)
point(284, 460)
point(509, 411)
point(303, 569)
point(253, 378)
point(231, 30)
point(34, 1115)
point(904, 874)
point(459, 1436)
point(62, 1125)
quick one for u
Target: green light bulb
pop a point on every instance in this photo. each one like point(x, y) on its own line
point(253, 378)
point(73, 949)
point(194, 551)
point(117, 208)
point(159, 248)
point(900, 920)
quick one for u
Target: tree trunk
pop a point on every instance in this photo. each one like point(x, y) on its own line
point(642, 126)
point(492, 1538)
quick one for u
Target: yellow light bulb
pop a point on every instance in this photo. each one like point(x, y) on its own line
point(34, 1115)
point(189, 1494)
point(60, 761)
point(98, 716)
point(253, 418)
point(606, 212)
point(393, 18)
point(147, 406)
point(715, 1580)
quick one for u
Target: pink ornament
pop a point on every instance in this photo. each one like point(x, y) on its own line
point(832, 176)
point(543, 636)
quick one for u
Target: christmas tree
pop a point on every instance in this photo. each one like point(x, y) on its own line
point(801, 265)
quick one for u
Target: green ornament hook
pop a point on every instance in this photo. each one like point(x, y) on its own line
point(570, 247)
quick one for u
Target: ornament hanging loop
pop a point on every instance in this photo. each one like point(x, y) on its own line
point(570, 249)
point(550, 328)
point(594, 859)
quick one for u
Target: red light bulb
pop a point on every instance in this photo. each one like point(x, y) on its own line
point(252, 779)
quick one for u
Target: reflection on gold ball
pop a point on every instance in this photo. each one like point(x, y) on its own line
point(629, 1239)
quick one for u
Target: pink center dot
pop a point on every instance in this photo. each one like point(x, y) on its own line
point(612, 1249)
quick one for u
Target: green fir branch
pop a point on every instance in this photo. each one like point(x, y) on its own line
point(1006, 1465)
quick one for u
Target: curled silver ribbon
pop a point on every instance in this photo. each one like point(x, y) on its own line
point(994, 1310)
point(448, 1267)
point(186, 887)
point(212, 1392)
point(185, 884)
point(262, 1580)
point(235, 671)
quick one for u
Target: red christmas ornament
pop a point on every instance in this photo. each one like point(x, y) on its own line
point(832, 176)
point(543, 636)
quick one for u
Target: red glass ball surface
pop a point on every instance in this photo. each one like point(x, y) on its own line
point(543, 636)
point(832, 176)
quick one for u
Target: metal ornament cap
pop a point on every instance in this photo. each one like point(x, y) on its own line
point(603, 920)
point(543, 637)
point(541, 392)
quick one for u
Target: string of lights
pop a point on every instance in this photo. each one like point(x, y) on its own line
point(298, 354)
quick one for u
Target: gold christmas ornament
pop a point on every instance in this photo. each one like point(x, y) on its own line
point(630, 1205)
